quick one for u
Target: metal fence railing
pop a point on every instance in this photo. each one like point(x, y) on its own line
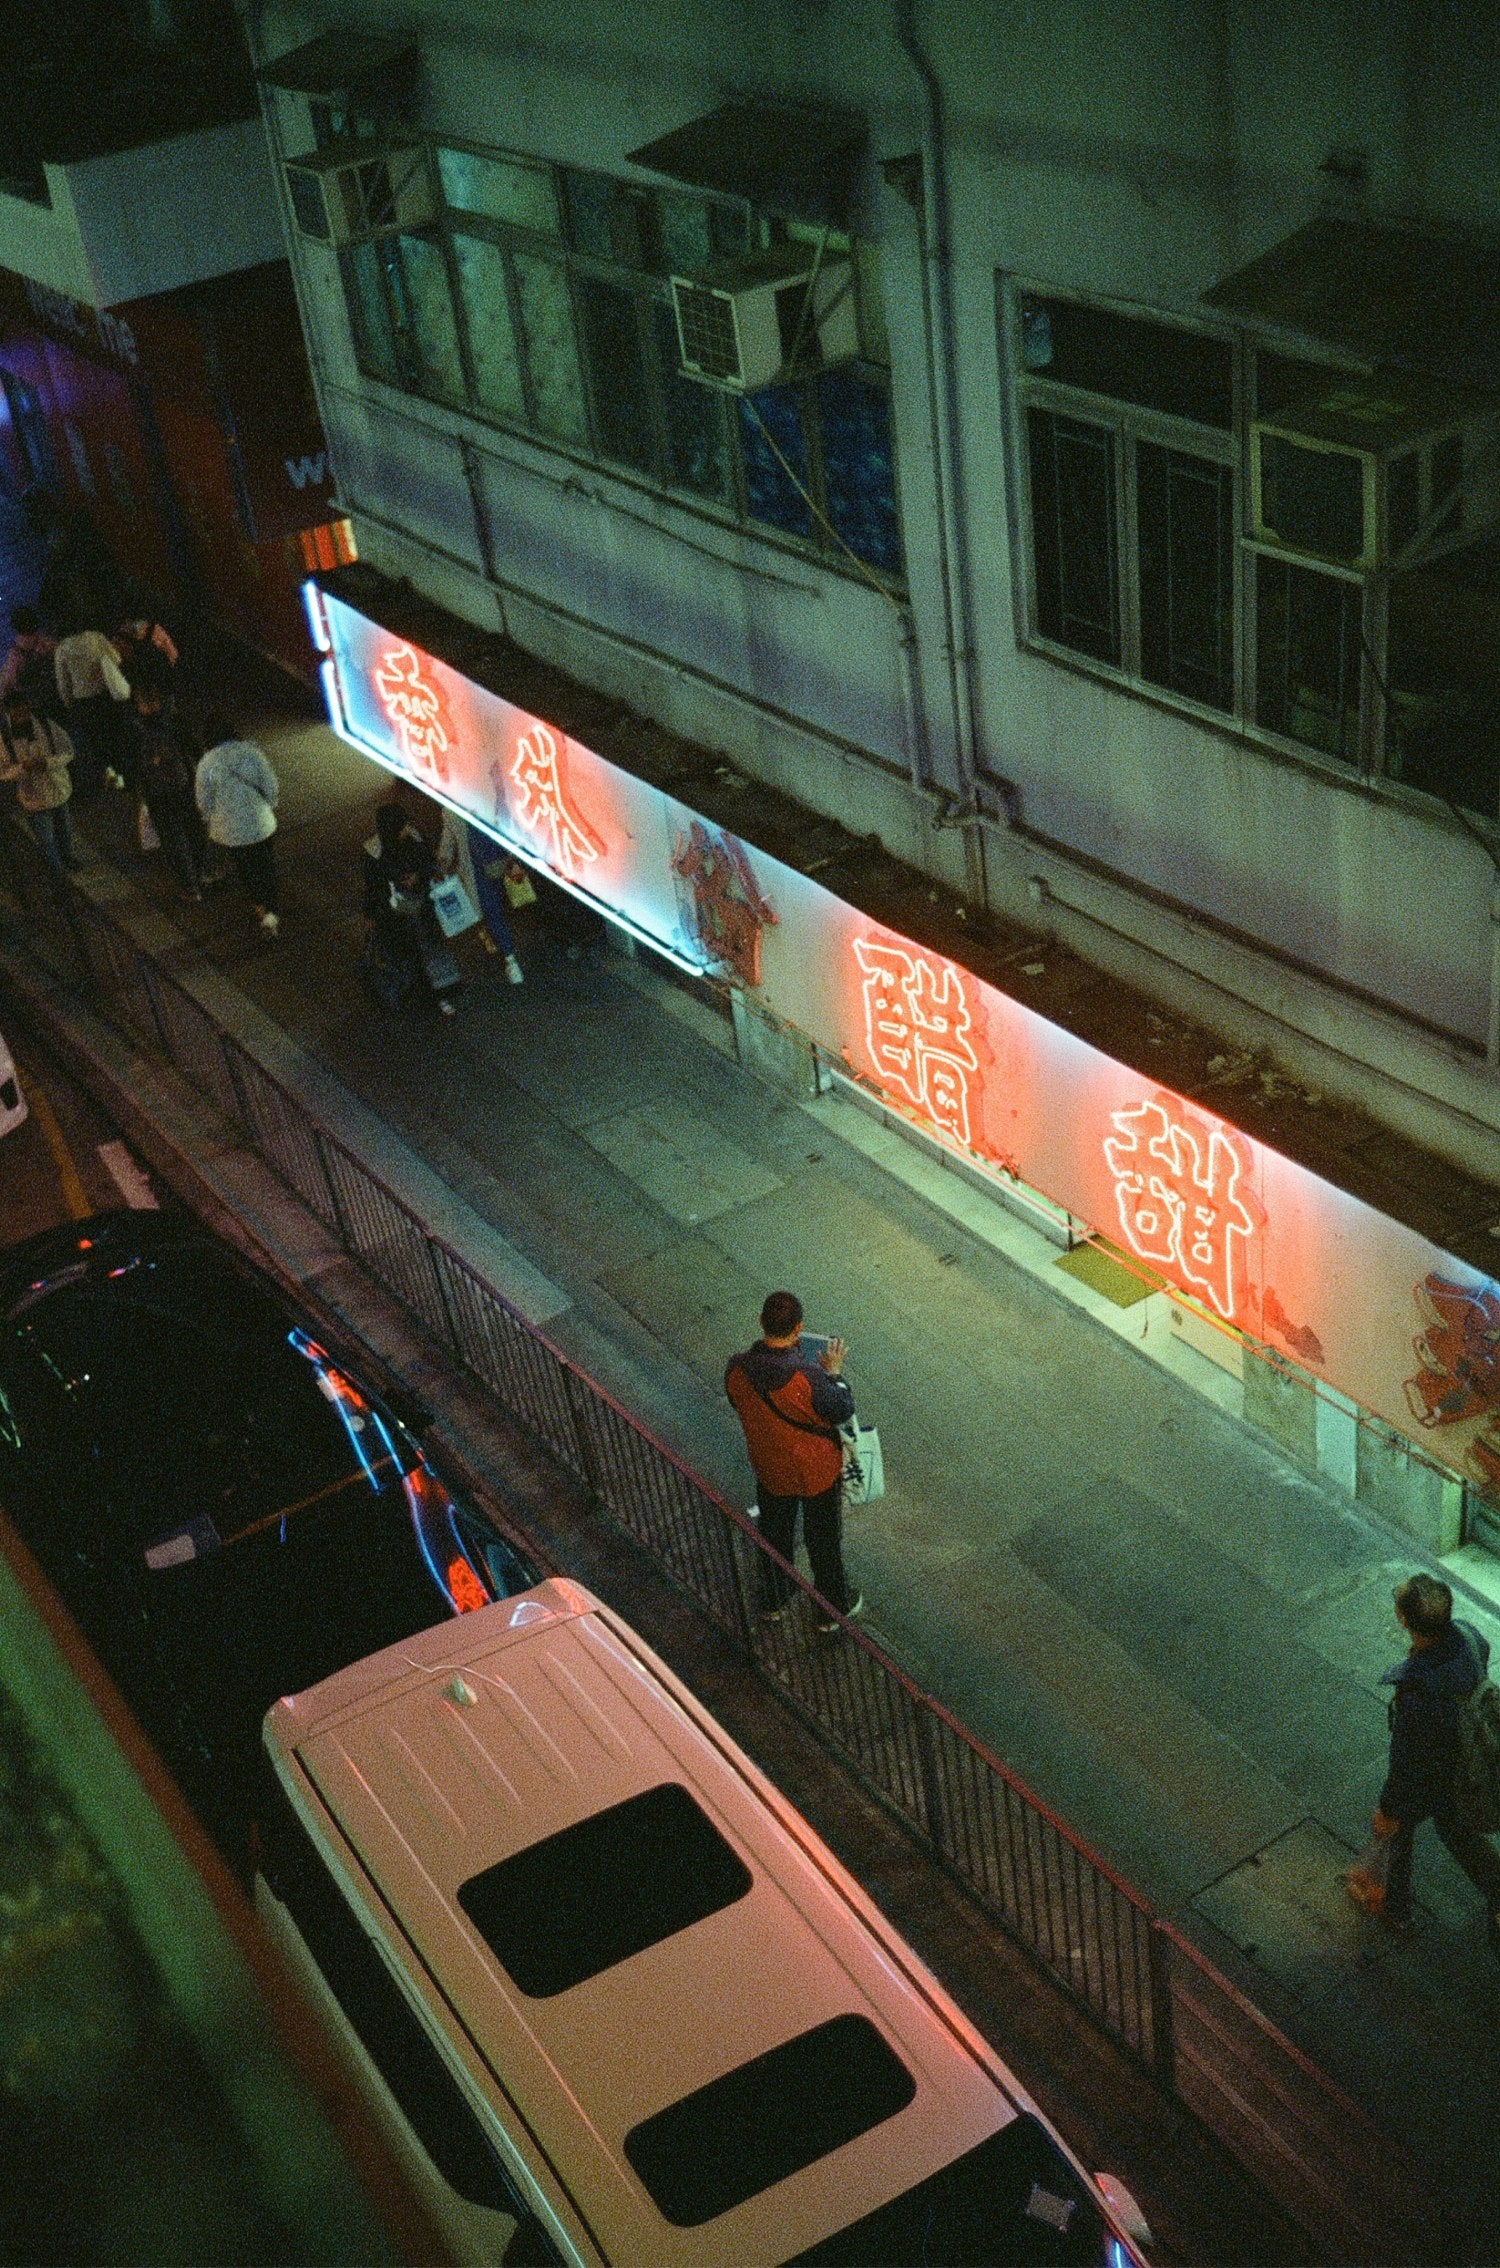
point(1138, 1977)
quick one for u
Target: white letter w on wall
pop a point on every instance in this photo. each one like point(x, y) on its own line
point(307, 472)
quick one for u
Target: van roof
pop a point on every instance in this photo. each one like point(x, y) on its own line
point(618, 1910)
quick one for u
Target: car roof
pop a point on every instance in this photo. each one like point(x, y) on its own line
point(442, 1758)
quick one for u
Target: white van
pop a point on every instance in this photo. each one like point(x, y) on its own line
point(613, 1999)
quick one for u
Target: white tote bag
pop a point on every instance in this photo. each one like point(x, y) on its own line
point(455, 909)
point(864, 1465)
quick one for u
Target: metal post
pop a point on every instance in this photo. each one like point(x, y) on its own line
point(454, 1341)
point(934, 1811)
point(587, 1462)
point(1163, 2041)
point(339, 1222)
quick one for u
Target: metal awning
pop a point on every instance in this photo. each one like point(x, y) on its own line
point(1383, 295)
point(798, 161)
point(342, 63)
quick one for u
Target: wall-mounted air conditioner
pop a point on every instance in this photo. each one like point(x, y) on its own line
point(742, 324)
point(360, 187)
point(1376, 472)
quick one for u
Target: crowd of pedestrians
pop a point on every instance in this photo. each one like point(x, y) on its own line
point(88, 710)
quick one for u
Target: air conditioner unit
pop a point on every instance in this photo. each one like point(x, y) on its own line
point(360, 187)
point(742, 324)
point(1376, 472)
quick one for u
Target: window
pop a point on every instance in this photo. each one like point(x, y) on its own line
point(768, 2119)
point(1130, 452)
point(1013, 2201)
point(542, 300)
point(567, 1908)
point(429, 2097)
point(1228, 527)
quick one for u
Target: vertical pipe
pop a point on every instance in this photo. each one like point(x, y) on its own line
point(943, 414)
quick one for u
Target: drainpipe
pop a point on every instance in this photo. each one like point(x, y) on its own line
point(943, 414)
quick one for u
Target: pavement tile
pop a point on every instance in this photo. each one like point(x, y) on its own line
point(1286, 1908)
point(690, 1171)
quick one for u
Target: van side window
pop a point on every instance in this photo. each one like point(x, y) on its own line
point(426, 2091)
point(570, 1906)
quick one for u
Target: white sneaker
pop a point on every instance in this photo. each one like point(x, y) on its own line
point(112, 779)
point(514, 973)
point(270, 923)
point(446, 1008)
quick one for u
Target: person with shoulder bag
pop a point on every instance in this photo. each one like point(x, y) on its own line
point(792, 1407)
point(36, 754)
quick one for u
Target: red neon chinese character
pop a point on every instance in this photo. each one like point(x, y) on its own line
point(537, 772)
point(414, 710)
point(1177, 1189)
point(916, 1029)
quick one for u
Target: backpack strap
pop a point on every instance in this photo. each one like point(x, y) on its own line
point(822, 1432)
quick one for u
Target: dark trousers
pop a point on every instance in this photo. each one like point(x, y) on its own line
point(255, 864)
point(822, 1524)
point(1474, 1853)
point(493, 903)
point(176, 821)
point(54, 834)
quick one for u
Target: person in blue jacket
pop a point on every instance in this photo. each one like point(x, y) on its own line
point(1446, 1662)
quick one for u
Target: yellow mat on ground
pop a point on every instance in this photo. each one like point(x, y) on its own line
point(1105, 1269)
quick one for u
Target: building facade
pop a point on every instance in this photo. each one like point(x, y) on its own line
point(1062, 445)
point(144, 302)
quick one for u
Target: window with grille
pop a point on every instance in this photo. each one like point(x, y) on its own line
point(541, 299)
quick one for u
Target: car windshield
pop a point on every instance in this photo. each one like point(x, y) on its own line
point(1012, 2202)
point(177, 1393)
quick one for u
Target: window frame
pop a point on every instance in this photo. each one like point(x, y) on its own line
point(646, 286)
point(1129, 425)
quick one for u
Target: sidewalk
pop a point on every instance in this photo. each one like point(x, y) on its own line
point(1170, 1631)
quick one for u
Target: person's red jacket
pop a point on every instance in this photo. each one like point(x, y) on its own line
point(791, 1427)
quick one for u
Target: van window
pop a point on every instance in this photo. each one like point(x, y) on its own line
point(768, 2119)
point(427, 2093)
point(1012, 2202)
point(574, 1904)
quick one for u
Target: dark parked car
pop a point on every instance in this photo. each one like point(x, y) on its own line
point(229, 1511)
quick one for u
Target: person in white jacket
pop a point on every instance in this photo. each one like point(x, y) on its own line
point(237, 792)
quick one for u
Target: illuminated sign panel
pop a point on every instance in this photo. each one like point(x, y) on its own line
point(1177, 1192)
point(1393, 1322)
point(544, 807)
point(917, 1024)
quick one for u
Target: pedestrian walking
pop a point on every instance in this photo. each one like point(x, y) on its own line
point(791, 1404)
point(36, 754)
point(405, 951)
point(94, 693)
point(1444, 1664)
point(28, 667)
point(236, 793)
point(166, 762)
point(480, 863)
point(147, 651)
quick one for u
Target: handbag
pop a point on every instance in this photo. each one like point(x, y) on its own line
point(145, 828)
point(455, 909)
point(518, 887)
point(864, 1463)
point(1367, 1879)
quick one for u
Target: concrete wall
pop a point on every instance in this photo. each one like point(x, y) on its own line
point(148, 220)
point(1135, 154)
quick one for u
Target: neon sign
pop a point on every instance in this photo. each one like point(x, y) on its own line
point(1177, 1190)
point(414, 710)
point(917, 1020)
point(537, 772)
